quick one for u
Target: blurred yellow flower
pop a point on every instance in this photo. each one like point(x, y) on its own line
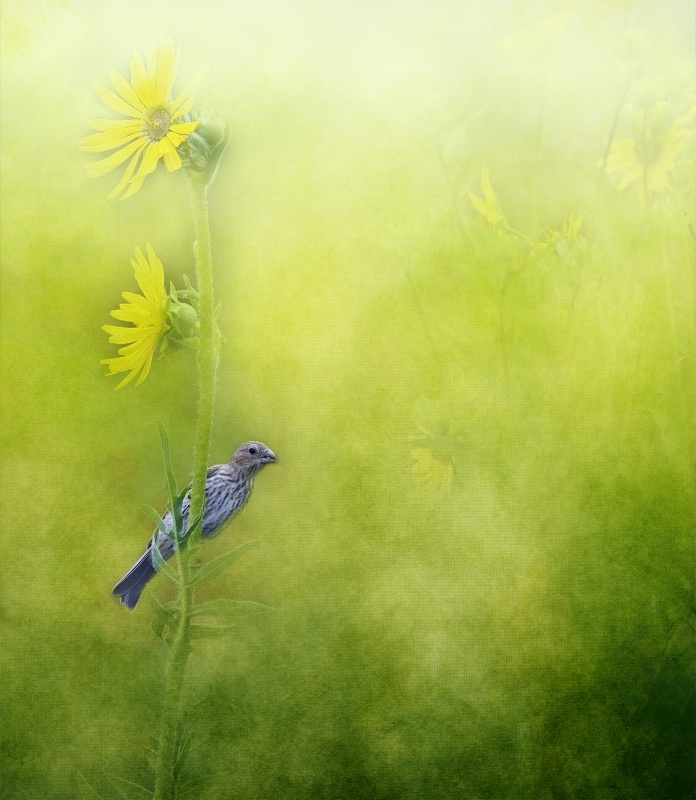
point(433, 470)
point(646, 162)
point(487, 205)
point(147, 313)
point(151, 132)
point(557, 240)
point(571, 227)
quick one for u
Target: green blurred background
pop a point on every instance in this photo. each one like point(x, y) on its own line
point(479, 543)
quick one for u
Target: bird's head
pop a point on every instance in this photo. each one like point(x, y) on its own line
point(253, 456)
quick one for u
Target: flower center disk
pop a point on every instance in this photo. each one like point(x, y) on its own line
point(158, 125)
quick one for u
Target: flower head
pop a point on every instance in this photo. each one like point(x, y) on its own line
point(646, 161)
point(151, 131)
point(146, 313)
point(560, 242)
point(487, 205)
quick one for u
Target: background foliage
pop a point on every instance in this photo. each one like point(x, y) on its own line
point(479, 545)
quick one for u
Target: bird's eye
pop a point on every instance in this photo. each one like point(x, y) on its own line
point(253, 451)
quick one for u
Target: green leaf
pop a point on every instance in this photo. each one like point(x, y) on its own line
point(166, 612)
point(195, 784)
point(160, 564)
point(161, 524)
point(197, 520)
point(88, 792)
point(130, 791)
point(229, 608)
point(166, 455)
point(157, 627)
point(183, 749)
point(209, 631)
point(218, 565)
point(175, 506)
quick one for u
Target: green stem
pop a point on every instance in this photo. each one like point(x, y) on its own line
point(180, 645)
point(207, 353)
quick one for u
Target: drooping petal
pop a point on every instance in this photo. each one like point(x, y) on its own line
point(172, 161)
point(109, 140)
point(117, 104)
point(112, 124)
point(130, 169)
point(146, 368)
point(132, 313)
point(182, 105)
point(120, 335)
point(149, 163)
point(103, 167)
point(175, 138)
point(184, 128)
point(126, 91)
point(128, 379)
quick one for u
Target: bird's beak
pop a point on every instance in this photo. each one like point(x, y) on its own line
point(270, 457)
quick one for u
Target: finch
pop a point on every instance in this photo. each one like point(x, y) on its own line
point(227, 490)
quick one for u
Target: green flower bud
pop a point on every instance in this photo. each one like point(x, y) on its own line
point(183, 320)
point(201, 152)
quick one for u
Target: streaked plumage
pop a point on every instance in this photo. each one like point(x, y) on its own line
point(227, 490)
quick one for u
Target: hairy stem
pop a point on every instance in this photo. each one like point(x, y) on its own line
point(180, 645)
point(174, 684)
point(207, 353)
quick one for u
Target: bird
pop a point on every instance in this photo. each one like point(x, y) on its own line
point(227, 490)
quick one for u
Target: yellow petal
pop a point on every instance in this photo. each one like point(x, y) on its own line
point(135, 351)
point(141, 82)
point(137, 300)
point(128, 379)
point(184, 128)
point(118, 105)
point(150, 158)
point(166, 73)
point(157, 272)
point(171, 157)
point(122, 335)
point(175, 138)
point(126, 91)
point(144, 276)
point(99, 142)
point(146, 368)
point(111, 124)
point(182, 105)
point(127, 174)
point(131, 313)
point(99, 168)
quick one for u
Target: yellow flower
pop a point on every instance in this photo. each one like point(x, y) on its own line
point(147, 313)
point(487, 205)
point(554, 240)
point(151, 132)
point(646, 162)
point(571, 227)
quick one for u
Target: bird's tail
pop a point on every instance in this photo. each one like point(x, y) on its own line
point(131, 585)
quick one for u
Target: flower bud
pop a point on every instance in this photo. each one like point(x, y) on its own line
point(203, 149)
point(183, 319)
